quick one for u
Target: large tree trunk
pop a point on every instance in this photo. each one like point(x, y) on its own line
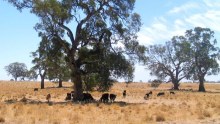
point(175, 84)
point(60, 83)
point(42, 82)
point(78, 89)
point(201, 84)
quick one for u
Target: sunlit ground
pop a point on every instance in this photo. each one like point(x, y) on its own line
point(184, 107)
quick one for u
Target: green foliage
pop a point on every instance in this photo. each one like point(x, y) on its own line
point(203, 53)
point(49, 60)
point(96, 81)
point(104, 69)
point(32, 74)
point(41, 57)
point(58, 69)
point(17, 70)
point(90, 81)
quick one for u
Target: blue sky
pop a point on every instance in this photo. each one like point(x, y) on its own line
point(161, 20)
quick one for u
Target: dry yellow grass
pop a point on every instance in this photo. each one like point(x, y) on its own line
point(185, 107)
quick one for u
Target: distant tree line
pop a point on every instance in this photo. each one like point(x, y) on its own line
point(20, 72)
point(192, 57)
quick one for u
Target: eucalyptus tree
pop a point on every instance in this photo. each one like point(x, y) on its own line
point(49, 61)
point(97, 26)
point(169, 60)
point(204, 54)
point(16, 70)
point(41, 59)
point(58, 69)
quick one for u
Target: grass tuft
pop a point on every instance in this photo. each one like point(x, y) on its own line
point(206, 113)
point(148, 118)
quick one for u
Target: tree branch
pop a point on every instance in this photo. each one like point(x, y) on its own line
point(80, 24)
point(69, 32)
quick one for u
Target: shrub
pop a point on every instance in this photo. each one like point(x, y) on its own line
point(156, 83)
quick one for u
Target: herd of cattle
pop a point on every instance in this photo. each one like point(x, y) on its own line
point(106, 97)
point(87, 97)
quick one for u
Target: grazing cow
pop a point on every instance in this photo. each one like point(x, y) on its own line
point(124, 93)
point(147, 95)
point(48, 97)
point(68, 96)
point(104, 98)
point(171, 92)
point(160, 94)
point(87, 97)
point(112, 97)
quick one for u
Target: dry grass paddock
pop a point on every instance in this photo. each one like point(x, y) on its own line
point(184, 107)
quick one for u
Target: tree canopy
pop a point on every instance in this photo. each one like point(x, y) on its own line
point(91, 32)
point(169, 60)
point(203, 53)
point(17, 70)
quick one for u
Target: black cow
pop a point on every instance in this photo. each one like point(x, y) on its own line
point(171, 92)
point(68, 96)
point(104, 98)
point(87, 97)
point(112, 97)
point(160, 94)
point(124, 93)
point(147, 95)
